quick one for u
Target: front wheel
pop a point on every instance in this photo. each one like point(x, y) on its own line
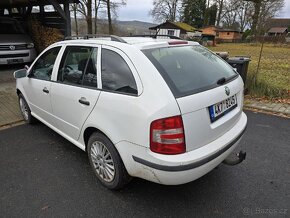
point(25, 110)
point(106, 162)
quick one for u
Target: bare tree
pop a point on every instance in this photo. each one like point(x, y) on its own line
point(85, 8)
point(112, 7)
point(165, 10)
point(245, 14)
point(74, 8)
point(268, 10)
point(220, 5)
point(257, 8)
point(97, 6)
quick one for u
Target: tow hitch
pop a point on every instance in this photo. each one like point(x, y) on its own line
point(238, 158)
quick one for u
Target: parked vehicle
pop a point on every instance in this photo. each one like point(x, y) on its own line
point(15, 45)
point(165, 110)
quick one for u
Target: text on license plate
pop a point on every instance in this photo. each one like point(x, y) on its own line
point(217, 110)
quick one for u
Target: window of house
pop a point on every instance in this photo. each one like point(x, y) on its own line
point(170, 32)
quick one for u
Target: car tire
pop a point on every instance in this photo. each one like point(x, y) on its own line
point(106, 162)
point(25, 110)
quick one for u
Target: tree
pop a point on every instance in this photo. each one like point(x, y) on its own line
point(74, 8)
point(237, 14)
point(220, 6)
point(263, 10)
point(257, 8)
point(97, 6)
point(268, 10)
point(210, 15)
point(194, 12)
point(85, 8)
point(165, 10)
point(112, 7)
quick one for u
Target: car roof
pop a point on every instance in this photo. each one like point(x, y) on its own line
point(138, 42)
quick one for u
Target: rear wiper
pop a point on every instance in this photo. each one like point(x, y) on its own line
point(221, 81)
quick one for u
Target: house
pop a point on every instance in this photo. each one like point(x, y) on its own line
point(210, 30)
point(278, 26)
point(229, 35)
point(177, 29)
point(278, 31)
point(222, 35)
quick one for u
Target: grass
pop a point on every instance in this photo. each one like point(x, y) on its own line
point(273, 78)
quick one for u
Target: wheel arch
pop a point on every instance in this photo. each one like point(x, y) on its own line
point(89, 131)
point(18, 92)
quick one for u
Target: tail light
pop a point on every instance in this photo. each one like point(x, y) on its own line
point(167, 136)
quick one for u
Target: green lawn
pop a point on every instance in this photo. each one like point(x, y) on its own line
point(274, 75)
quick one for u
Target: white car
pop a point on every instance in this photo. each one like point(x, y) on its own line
point(168, 111)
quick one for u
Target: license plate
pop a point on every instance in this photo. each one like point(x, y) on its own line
point(218, 110)
point(15, 61)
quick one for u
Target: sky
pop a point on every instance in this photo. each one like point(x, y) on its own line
point(139, 10)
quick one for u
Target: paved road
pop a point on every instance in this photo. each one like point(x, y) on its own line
point(43, 175)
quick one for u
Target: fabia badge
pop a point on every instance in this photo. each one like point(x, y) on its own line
point(227, 90)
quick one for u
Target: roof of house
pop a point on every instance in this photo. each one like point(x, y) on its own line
point(211, 26)
point(230, 30)
point(178, 25)
point(277, 30)
point(16, 3)
point(185, 26)
point(279, 22)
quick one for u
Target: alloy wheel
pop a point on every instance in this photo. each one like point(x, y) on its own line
point(102, 161)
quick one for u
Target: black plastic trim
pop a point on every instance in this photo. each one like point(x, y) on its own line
point(188, 166)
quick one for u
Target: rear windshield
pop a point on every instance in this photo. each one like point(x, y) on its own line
point(9, 26)
point(190, 69)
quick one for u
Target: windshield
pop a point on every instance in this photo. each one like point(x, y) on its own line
point(10, 26)
point(190, 69)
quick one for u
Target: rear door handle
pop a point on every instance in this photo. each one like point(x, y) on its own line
point(84, 101)
point(45, 90)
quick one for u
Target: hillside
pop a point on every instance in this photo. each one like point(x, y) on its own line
point(121, 27)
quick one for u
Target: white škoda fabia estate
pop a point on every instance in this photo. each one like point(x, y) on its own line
point(165, 110)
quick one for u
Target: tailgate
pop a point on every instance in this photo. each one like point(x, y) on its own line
point(195, 110)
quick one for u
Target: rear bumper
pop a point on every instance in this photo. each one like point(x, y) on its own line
point(183, 168)
point(17, 56)
point(191, 165)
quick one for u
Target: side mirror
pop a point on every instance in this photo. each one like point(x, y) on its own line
point(20, 73)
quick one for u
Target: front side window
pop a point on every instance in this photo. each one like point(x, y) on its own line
point(79, 66)
point(116, 74)
point(189, 69)
point(42, 69)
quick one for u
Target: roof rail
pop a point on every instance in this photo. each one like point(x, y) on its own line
point(156, 36)
point(94, 36)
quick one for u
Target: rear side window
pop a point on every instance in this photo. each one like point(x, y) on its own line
point(116, 74)
point(189, 69)
point(79, 66)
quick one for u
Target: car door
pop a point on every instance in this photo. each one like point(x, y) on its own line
point(37, 86)
point(75, 91)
